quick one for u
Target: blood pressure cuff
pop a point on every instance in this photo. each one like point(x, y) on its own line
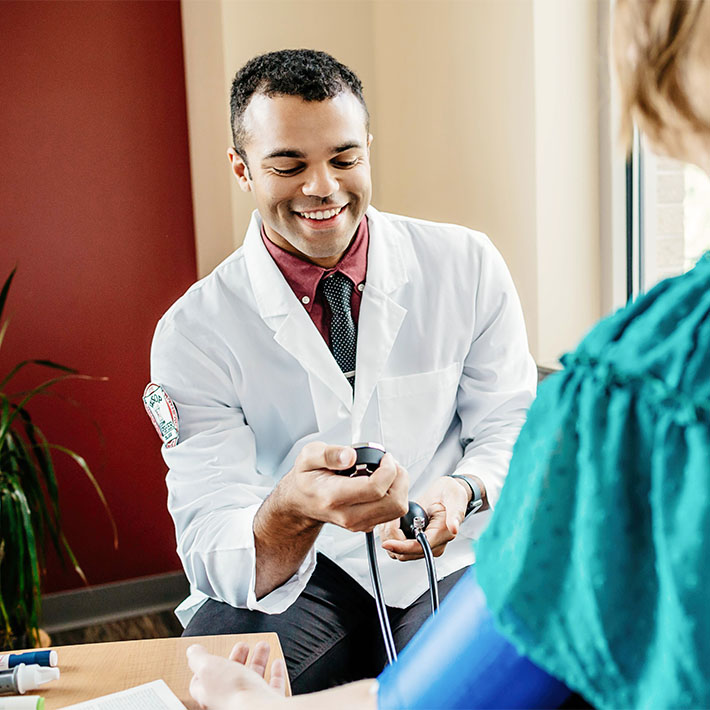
point(459, 660)
point(596, 563)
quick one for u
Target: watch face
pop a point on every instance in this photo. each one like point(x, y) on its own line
point(474, 505)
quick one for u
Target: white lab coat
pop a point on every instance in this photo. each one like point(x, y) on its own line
point(444, 378)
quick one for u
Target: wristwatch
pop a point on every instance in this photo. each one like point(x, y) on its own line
point(476, 502)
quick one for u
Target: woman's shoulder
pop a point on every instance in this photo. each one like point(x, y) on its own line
point(663, 334)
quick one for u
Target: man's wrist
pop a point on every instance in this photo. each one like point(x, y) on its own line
point(278, 517)
point(475, 490)
point(282, 539)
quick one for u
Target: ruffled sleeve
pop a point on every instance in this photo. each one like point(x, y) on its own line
point(596, 563)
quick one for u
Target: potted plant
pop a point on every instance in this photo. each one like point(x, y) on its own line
point(29, 501)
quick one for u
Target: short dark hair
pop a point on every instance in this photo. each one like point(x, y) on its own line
point(308, 73)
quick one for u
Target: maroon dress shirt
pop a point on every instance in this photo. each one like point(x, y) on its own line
point(305, 278)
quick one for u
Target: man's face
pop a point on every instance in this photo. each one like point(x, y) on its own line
point(309, 170)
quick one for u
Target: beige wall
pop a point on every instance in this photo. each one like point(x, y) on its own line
point(455, 133)
point(566, 173)
point(205, 78)
point(483, 113)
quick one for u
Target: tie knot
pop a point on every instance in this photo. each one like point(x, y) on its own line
point(338, 290)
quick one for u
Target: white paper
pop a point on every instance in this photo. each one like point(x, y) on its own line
point(149, 696)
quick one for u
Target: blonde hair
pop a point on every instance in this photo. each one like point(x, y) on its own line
point(657, 45)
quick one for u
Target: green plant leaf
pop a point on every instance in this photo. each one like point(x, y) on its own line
point(3, 577)
point(7, 631)
point(4, 426)
point(72, 402)
point(79, 460)
point(31, 480)
point(19, 578)
point(4, 413)
point(29, 497)
point(28, 529)
point(40, 448)
point(3, 330)
point(73, 560)
point(5, 289)
point(43, 363)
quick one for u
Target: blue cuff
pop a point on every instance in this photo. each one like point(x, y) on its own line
point(458, 660)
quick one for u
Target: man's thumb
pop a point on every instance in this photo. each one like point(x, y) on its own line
point(339, 457)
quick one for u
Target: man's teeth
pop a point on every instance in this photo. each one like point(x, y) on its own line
point(321, 215)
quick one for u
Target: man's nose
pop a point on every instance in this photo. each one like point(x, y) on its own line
point(320, 182)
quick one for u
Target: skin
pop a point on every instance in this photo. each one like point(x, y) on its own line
point(228, 684)
point(309, 495)
point(305, 156)
point(445, 503)
point(225, 685)
point(216, 681)
point(302, 157)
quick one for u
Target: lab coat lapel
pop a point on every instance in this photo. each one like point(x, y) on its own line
point(301, 338)
point(381, 316)
point(282, 312)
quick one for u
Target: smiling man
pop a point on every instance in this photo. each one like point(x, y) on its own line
point(310, 172)
point(332, 324)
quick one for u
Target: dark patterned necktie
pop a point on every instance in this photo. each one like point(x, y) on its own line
point(338, 290)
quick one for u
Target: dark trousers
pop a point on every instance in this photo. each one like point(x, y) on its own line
point(330, 635)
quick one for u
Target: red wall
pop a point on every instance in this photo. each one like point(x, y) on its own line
point(96, 211)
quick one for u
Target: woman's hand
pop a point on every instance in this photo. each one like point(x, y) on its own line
point(232, 683)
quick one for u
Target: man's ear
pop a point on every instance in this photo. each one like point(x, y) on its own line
point(369, 141)
point(240, 170)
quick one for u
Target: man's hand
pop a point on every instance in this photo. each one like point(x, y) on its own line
point(445, 503)
point(220, 684)
point(310, 494)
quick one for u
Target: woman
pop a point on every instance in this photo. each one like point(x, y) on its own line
point(603, 580)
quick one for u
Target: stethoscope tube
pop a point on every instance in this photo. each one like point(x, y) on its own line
point(380, 599)
point(385, 626)
point(413, 524)
point(431, 571)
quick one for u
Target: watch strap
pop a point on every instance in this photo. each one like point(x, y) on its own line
point(476, 502)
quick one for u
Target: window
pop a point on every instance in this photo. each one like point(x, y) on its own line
point(670, 225)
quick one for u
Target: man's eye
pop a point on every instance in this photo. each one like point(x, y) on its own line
point(289, 171)
point(345, 163)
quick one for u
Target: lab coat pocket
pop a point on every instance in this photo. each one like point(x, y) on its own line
point(416, 410)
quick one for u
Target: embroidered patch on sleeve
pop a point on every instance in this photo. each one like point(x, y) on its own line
point(162, 413)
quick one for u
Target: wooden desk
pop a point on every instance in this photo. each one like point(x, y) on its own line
point(94, 669)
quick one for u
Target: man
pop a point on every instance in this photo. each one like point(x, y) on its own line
point(332, 324)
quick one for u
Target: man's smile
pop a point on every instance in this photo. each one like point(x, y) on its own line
point(322, 218)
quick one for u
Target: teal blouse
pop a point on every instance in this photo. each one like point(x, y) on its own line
point(596, 563)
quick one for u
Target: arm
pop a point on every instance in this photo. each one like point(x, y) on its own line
point(223, 684)
point(214, 486)
point(288, 522)
point(239, 540)
point(458, 659)
point(497, 385)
